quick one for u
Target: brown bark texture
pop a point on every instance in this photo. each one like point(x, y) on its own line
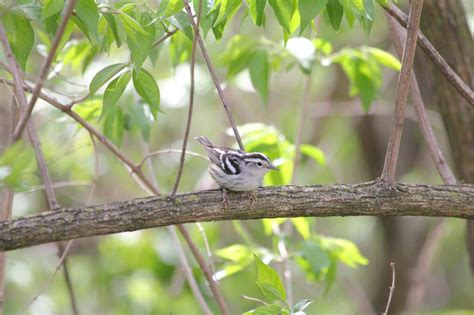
point(283, 201)
point(444, 23)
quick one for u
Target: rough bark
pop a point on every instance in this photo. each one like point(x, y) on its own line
point(273, 202)
point(444, 23)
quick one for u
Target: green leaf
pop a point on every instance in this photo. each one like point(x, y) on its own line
point(114, 126)
point(113, 92)
point(344, 251)
point(104, 75)
point(181, 21)
point(235, 253)
point(335, 12)
point(174, 6)
point(283, 10)
point(131, 25)
point(17, 166)
point(385, 58)
point(116, 28)
point(139, 118)
point(20, 35)
point(260, 73)
point(257, 11)
point(141, 44)
point(271, 309)
point(179, 48)
point(51, 7)
point(314, 153)
point(226, 10)
point(146, 87)
point(302, 226)
point(269, 281)
point(314, 260)
point(364, 74)
point(88, 12)
point(309, 9)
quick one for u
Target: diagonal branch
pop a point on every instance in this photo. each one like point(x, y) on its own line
point(213, 73)
point(451, 75)
point(391, 157)
point(282, 201)
point(44, 71)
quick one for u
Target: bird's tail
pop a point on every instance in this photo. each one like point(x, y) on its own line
point(204, 141)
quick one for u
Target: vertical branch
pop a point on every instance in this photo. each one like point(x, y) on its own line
point(212, 71)
point(391, 157)
point(44, 71)
point(191, 102)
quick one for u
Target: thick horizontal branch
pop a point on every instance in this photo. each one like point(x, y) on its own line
point(285, 201)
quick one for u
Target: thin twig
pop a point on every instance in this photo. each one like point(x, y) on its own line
point(300, 122)
point(419, 274)
point(51, 277)
point(164, 151)
point(253, 299)
point(189, 273)
point(44, 70)
point(191, 103)
point(213, 73)
point(208, 249)
point(202, 263)
point(393, 147)
point(435, 56)
point(165, 37)
point(392, 289)
point(71, 183)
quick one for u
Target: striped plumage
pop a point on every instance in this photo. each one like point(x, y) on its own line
point(236, 170)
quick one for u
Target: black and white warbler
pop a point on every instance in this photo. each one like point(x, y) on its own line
point(236, 170)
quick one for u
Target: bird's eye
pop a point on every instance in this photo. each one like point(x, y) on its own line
point(259, 164)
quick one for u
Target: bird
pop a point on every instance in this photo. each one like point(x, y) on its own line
point(236, 170)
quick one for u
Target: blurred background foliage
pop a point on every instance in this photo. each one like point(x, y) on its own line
point(274, 61)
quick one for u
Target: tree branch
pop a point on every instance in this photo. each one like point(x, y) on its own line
point(391, 157)
point(464, 90)
point(284, 201)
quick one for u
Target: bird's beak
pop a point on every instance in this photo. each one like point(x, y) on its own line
point(272, 167)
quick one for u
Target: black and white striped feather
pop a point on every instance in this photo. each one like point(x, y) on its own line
point(234, 169)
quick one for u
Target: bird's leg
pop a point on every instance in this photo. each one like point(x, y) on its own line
point(225, 200)
point(253, 198)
